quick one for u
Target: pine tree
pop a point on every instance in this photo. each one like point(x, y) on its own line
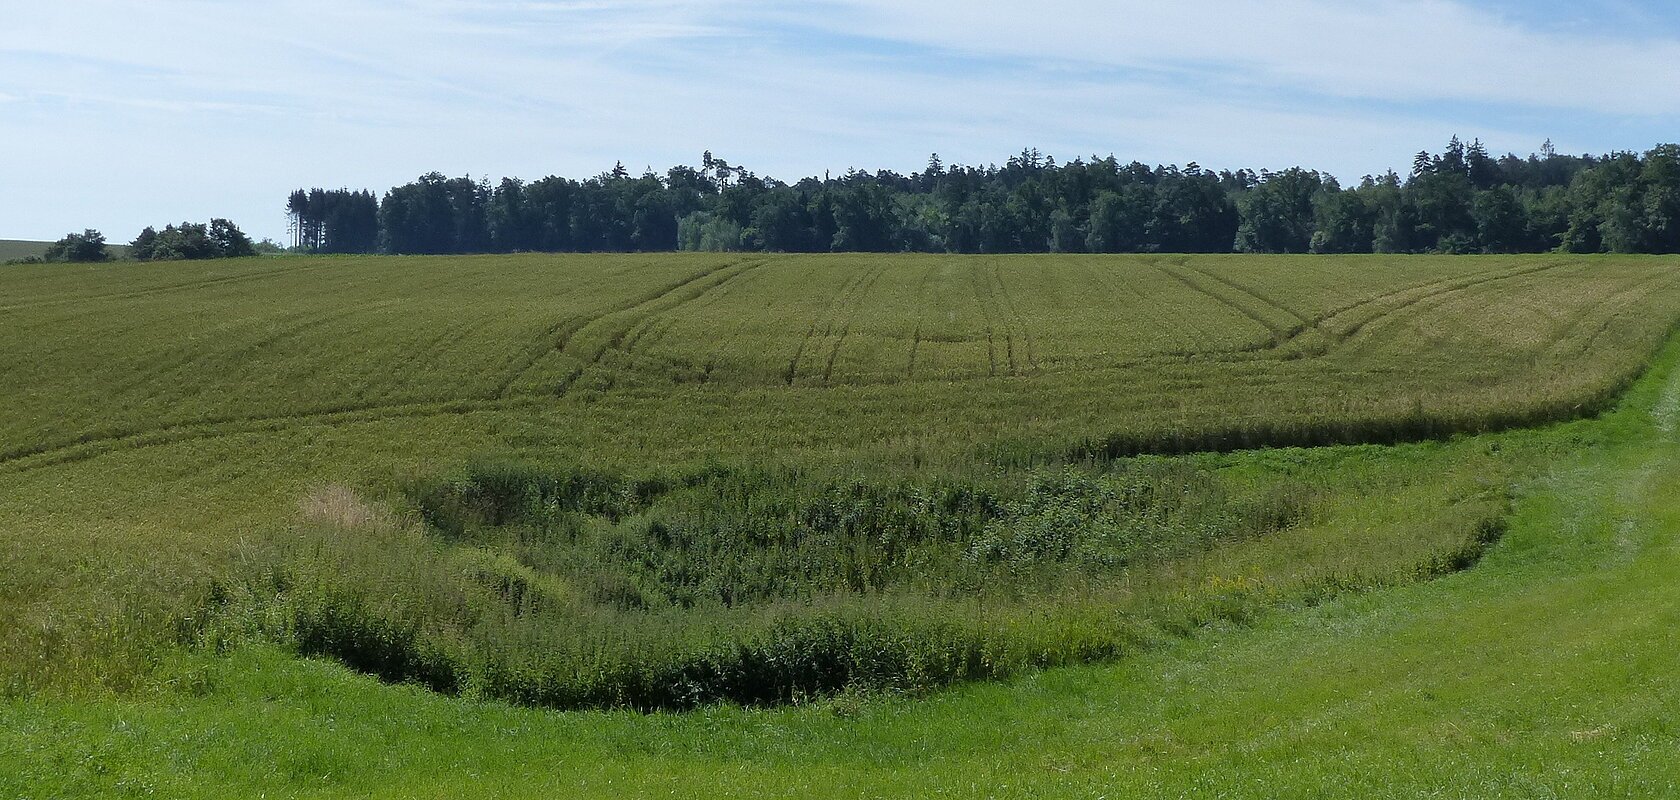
point(1483, 170)
point(1422, 164)
point(1453, 159)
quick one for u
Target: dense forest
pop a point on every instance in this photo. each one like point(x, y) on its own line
point(1462, 200)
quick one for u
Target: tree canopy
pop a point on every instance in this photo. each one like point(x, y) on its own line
point(333, 221)
point(191, 241)
point(1461, 200)
point(87, 246)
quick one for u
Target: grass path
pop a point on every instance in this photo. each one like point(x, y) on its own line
point(1549, 670)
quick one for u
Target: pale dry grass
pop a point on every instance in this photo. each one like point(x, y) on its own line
point(338, 506)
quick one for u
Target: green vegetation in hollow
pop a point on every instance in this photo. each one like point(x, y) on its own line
point(579, 588)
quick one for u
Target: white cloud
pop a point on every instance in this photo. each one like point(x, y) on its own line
point(1412, 50)
point(185, 108)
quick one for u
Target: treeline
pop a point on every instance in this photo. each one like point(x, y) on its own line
point(334, 222)
point(192, 241)
point(87, 247)
point(1462, 200)
point(219, 238)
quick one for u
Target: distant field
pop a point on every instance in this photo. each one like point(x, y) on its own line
point(13, 248)
point(672, 358)
point(667, 481)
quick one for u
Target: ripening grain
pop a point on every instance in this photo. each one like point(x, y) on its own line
point(709, 355)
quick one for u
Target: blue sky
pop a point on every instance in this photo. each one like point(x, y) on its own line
point(117, 114)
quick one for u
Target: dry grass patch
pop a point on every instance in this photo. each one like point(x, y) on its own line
point(335, 505)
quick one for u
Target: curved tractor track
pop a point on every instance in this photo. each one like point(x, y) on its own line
point(636, 323)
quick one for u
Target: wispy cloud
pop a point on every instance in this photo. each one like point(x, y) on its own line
point(1409, 50)
point(372, 92)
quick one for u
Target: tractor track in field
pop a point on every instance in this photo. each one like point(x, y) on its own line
point(1263, 349)
point(857, 298)
point(89, 446)
point(991, 352)
point(652, 327)
point(709, 363)
point(143, 373)
point(915, 344)
point(719, 345)
point(624, 338)
point(97, 444)
point(798, 353)
point(1445, 288)
point(1260, 296)
point(174, 287)
point(434, 347)
point(1279, 332)
point(1433, 293)
point(556, 337)
point(1018, 322)
point(1649, 286)
point(1116, 281)
point(1322, 322)
point(982, 297)
point(656, 327)
point(921, 315)
point(92, 446)
point(834, 302)
point(293, 325)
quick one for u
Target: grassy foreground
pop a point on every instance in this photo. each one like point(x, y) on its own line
point(1548, 670)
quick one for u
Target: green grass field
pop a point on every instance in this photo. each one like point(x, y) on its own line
point(840, 484)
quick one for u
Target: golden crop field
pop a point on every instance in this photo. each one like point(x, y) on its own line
point(707, 355)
